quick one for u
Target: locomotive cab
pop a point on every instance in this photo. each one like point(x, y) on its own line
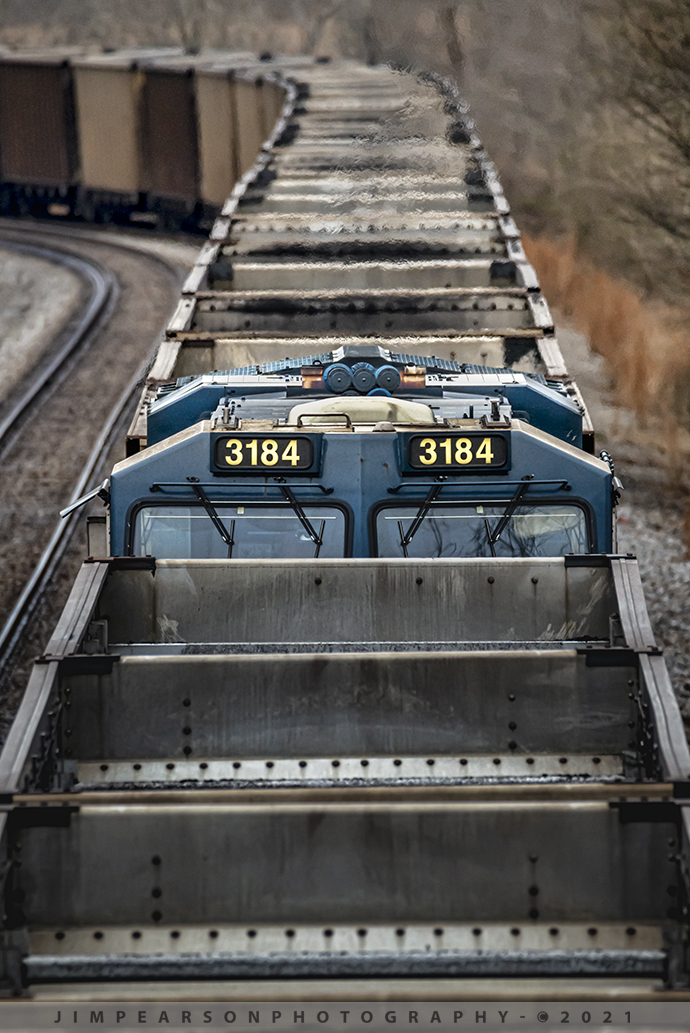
point(300, 464)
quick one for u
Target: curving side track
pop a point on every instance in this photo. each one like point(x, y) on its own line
point(102, 295)
point(51, 447)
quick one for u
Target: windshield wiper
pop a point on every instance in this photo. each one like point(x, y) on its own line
point(405, 539)
point(317, 539)
point(489, 538)
point(507, 514)
point(228, 538)
point(493, 536)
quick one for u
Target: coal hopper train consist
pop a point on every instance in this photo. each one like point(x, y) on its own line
point(354, 693)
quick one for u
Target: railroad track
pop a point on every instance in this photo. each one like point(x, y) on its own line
point(102, 295)
point(63, 245)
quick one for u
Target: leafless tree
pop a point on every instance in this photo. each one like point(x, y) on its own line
point(317, 17)
point(446, 14)
point(655, 89)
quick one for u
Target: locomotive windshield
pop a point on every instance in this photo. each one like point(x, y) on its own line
point(452, 530)
point(251, 532)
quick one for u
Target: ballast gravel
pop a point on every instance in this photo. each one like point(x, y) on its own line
point(651, 515)
point(36, 297)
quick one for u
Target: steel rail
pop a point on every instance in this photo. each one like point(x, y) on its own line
point(103, 297)
point(103, 294)
point(122, 237)
point(33, 591)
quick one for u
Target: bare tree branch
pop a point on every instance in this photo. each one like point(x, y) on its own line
point(445, 16)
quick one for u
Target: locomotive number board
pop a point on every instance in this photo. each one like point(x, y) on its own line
point(458, 452)
point(264, 453)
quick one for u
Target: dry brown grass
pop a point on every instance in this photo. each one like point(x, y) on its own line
point(644, 345)
point(646, 348)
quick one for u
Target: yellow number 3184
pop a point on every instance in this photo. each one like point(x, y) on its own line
point(255, 452)
point(448, 451)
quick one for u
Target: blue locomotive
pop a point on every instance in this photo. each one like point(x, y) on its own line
point(367, 453)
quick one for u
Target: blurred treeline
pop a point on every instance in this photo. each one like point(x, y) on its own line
point(584, 105)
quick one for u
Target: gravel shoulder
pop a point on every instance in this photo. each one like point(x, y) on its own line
point(649, 460)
